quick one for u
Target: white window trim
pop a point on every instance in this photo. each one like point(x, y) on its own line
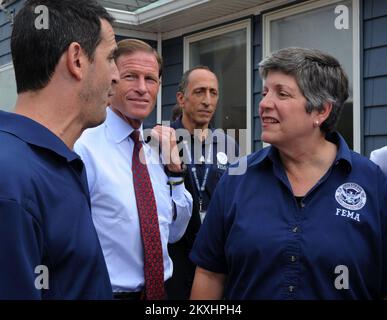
point(245, 24)
point(302, 7)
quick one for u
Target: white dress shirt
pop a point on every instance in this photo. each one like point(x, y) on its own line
point(107, 153)
point(379, 156)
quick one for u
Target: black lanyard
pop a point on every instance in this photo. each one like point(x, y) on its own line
point(200, 187)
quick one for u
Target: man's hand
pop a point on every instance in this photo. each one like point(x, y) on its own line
point(167, 139)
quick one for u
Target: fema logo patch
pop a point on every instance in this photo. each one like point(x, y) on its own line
point(351, 196)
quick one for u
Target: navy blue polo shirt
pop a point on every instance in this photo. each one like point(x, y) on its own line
point(45, 219)
point(331, 246)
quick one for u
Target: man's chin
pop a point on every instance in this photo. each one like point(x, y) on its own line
point(203, 122)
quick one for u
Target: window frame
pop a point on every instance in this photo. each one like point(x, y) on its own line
point(240, 25)
point(312, 5)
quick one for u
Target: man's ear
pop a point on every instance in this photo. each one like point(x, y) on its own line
point(76, 60)
point(180, 99)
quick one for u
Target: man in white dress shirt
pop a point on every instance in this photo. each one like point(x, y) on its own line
point(107, 153)
point(379, 156)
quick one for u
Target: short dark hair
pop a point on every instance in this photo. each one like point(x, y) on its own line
point(184, 79)
point(36, 52)
point(319, 76)
point(130, 46)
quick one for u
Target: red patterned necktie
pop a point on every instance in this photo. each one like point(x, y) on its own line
point(149, 225)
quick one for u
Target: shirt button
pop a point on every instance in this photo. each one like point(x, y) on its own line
point(292, 288)
point(295, 229)
point(302, 204)
point(293, 258)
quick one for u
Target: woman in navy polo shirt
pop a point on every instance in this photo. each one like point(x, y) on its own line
point(308, 218)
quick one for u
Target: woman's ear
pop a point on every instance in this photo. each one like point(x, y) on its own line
point(325, 112)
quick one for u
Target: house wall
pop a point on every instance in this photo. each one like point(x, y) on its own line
point(375, 74)
point(5, 33)
point(172, 50)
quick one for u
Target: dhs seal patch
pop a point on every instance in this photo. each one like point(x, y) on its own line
point(351, 196)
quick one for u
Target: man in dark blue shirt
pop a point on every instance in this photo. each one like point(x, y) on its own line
point(207, 153)
point(49, 248)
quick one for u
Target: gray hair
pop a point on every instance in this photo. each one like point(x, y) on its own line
point(184, 79)
point(319, 76)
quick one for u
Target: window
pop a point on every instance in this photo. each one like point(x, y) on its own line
point(312, 25)
point(226, 51)
point(7, 88)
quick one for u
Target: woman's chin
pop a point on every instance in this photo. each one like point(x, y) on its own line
point(266, 138)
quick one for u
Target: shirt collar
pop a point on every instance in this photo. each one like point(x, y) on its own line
point(178, 124)
point(343, 152)
point(34, 133)
point(118, 128)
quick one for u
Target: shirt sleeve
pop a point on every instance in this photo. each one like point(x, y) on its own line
point(208, 251)
point(21, 251)
point(182, 206)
